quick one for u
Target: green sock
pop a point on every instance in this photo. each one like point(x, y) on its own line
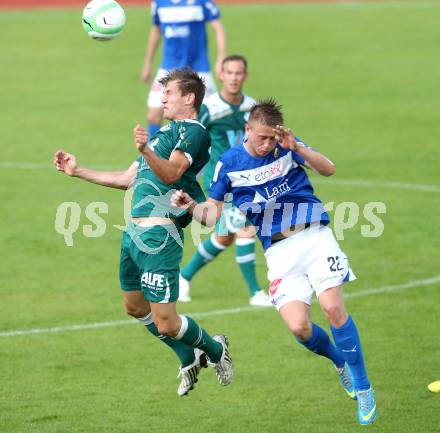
point(207, 251)
point(245, 256)
point(193, 335)
point(184, 353)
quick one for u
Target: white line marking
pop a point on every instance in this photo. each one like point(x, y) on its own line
point(400, 5)
point(69, 328)
point(113, 323)
point(374, 184)
point(344, 182)
point(24, 165)
point(8, 165)
point(394, 288)
point(360, 5)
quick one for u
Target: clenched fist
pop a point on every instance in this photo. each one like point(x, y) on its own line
point(140, 137)
point(65, 162)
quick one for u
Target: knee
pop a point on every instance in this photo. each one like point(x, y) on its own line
point(135, 310)
point(167, 327)
point(336, 314)
point(154, 116)
point(301, 330)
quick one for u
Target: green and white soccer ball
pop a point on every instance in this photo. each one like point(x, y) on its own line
point(103, 20)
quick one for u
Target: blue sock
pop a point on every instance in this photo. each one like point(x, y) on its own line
point(319, 343)
point(348, 342)
point(152, 129)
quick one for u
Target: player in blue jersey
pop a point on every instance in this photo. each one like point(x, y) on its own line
point(224, 115)
point(182, 26)
point(268, 183)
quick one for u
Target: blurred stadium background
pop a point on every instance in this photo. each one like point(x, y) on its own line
point(359, 81)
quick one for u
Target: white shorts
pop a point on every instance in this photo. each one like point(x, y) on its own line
point(306, 262)
point(155, 96)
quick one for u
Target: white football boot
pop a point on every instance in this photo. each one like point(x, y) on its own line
point(224, 369)
point(189, 374)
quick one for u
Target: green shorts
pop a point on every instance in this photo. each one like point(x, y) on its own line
point(150, 259)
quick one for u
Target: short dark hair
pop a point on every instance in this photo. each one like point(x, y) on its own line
point(266, 112)
point(188, 81)
point(236, 58)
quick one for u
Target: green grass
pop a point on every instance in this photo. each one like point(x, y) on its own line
point(358, 82)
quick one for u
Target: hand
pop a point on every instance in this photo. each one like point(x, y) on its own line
point(182, 200)
point(140, 137)
point(285, 137)
point(65, 162)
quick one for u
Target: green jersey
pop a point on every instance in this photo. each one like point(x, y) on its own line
point(151, 196)
point(225, 123)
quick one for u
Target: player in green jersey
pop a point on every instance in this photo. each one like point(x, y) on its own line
point(152, 243)
point(224, 115)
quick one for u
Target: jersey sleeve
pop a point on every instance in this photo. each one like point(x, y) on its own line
point(204, 117)
point(191, 140)
point(211, 11)
point(221, 183)
point(154, 15)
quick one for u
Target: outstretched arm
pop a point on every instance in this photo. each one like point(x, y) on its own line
point(314, 160)
point(66, 162)
point(206, 213)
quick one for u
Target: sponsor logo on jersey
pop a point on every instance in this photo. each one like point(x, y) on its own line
point(261, 175)
point(277, 190)
point(268, 173)
point(180, 14)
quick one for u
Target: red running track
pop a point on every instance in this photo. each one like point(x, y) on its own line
point(35, 4)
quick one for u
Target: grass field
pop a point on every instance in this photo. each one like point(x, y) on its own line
point(358, 82)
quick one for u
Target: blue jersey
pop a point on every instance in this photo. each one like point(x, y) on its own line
point(273, 191)
point(182, 25)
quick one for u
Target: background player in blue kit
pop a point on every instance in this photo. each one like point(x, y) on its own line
point(268, 182)
point(224, 115)
point(182, 26)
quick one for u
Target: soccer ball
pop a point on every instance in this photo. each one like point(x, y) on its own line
point(103, 20)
